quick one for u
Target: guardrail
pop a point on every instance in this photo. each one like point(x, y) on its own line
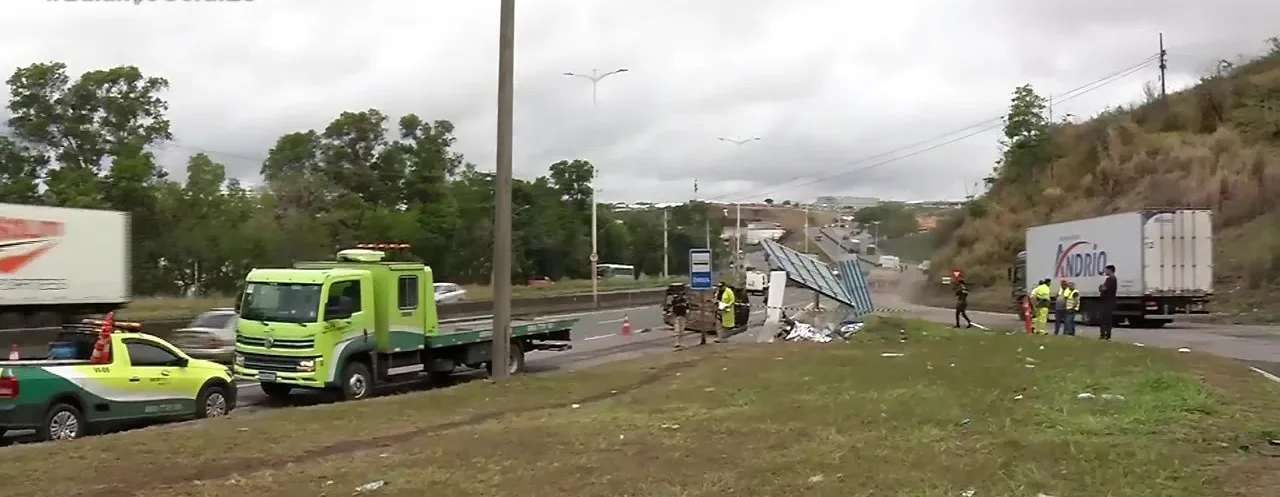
point(33, 341)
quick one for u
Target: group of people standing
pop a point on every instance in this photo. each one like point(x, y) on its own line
point(1065, 305)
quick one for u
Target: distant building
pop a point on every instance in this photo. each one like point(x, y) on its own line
point(846, 202)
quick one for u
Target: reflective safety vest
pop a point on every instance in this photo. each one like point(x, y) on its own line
point(1073, 298)
point(1040, 294)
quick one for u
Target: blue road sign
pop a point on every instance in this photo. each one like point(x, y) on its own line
point(700, 269)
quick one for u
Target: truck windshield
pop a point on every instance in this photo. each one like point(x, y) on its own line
point(281, 302)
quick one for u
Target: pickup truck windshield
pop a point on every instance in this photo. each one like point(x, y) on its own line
point(281, 302)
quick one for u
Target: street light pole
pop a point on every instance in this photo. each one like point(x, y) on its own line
point(594, 78)
point(737, 228)
point(500, 354)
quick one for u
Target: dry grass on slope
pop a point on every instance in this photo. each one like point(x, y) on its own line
point(1211, 146)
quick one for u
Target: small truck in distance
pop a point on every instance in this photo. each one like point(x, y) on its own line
point(352, 324)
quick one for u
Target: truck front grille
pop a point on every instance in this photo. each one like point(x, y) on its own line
point(281, 364)
point(276, 343)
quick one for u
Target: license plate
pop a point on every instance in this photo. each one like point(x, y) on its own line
point(266, 376)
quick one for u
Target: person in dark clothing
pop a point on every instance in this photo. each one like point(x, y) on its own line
point(1106, 303)
point(962, 304)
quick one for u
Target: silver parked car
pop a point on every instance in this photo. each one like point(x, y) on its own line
point(447, 293)
point(210, 336)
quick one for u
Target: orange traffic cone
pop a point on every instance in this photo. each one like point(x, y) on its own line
point(626, 325)
point(13, 352)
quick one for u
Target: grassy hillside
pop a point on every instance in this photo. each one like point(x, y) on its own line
point(1215, 146)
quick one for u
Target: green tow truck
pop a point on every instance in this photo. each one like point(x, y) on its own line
point(353, 324)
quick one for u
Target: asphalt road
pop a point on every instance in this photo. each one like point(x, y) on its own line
point(1258, 346)
point(596, 340)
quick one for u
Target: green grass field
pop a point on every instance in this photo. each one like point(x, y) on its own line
point(957, 413)
point(174, 307)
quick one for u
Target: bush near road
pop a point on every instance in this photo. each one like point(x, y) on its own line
point(1211, 146)
point(174, 308)
point(958, 411)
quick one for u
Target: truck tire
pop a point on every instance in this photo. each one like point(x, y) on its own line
point(515, 360)
point(276, 391)
point(62, 422)
point(212, 402)
point(357, 384)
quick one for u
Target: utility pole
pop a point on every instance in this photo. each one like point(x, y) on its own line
point(666, 251)
point(1163, 66)
point(739, 270)
point(594, 78)
point(806, 230)
point(500, 354)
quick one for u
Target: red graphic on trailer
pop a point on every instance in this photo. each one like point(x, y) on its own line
point(25, 240)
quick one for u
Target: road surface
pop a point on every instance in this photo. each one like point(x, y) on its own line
point(1258, 346)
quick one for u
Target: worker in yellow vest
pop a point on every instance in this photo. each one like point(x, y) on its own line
point(1041, 299)
point(1073, 307)
point(727, 311)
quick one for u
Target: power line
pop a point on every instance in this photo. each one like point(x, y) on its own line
point(981, 127)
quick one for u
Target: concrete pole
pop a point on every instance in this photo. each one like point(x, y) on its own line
point(502, 202)
point(666, 249)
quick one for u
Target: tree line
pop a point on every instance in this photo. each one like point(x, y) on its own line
point(88, 142)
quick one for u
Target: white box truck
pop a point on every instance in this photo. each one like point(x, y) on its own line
point(57, 264)
point(1163, 260)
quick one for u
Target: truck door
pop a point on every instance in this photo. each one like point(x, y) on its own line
point(408, 321)
point(156, 376)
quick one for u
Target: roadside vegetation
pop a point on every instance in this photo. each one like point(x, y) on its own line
point(364, 177)
point(1216, 145)
point(987, 414)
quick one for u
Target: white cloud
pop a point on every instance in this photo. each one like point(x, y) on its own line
point(824, 82)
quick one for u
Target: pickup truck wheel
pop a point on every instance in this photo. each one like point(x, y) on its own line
point(62, 422)
point(212, 402)
point(277, 391)
point(355, 381)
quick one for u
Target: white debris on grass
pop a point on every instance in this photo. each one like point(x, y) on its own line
point(891, 354)
point(371, 486)
point(1184, 350)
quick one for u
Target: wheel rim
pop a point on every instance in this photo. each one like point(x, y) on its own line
point(512, 366)
point(215, 405)
point(64, 426)
point(357, 385)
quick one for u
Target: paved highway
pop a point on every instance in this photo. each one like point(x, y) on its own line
point(1259, 346)
point(596, 340)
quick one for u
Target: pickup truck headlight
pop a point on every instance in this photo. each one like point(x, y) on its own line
point(239, 360)
point(307, 365)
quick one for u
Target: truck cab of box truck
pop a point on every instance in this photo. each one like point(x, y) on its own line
point(322, 325)
point(1018, 279)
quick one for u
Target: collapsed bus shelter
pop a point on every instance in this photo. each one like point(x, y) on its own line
point(847, 288)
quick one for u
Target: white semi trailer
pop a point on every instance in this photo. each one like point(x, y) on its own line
point(57, 264)
point(1163, 260)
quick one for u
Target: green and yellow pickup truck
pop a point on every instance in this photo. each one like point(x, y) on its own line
point(352, 324)
point(145, 380)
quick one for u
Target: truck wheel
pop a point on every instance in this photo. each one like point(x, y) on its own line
point(277, 391)
point(212, 402)
point(62, 422)
point(515, 360)
point(356, 382)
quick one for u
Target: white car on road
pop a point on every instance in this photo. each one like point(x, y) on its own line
point(447, 293)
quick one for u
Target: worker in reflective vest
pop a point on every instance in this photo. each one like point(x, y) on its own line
point(1073, 307)
point(1042, 298)
point(727, 300)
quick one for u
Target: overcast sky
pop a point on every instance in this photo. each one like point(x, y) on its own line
point(825, 83)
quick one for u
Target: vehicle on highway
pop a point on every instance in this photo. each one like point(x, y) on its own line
point(1163, 260)
point(620, 271)
point(817, 238)
point(448, 293)
point(757, 282)
point(854, 246)
point(210, 336)
point(871, 250)
point(141, 380)
point(350, 325)
point(60, 264)
point(890, 262)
